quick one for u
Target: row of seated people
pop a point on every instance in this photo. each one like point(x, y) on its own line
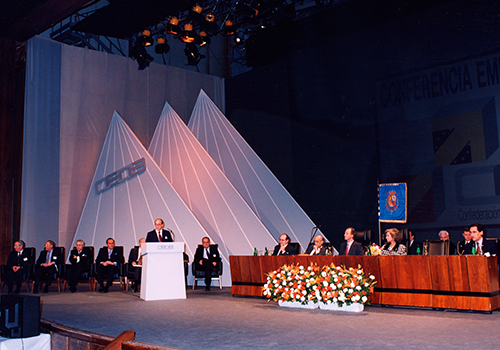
point(393, 245)
point(109, 265)
point(356, 243)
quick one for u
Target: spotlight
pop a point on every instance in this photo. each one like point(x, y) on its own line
point(173, 26)
point(241, 36)
point(145, 39)
point(192, 54)
point(229, 28)
point(188, 35)
point(161, 46)
point(210, 24)
point(202, 39)
point(195, 13)
point(140, 54)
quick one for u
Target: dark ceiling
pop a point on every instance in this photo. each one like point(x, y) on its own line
point(22, 19)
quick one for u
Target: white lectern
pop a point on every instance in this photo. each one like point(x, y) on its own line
point(163, 271)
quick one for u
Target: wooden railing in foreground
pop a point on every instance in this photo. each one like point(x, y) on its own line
point(69, 338)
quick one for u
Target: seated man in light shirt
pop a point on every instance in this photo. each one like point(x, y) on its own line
point(318, 248)
point(135, 260)
point(483, 247)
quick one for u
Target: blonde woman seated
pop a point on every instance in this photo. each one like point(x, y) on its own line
point(393, 245)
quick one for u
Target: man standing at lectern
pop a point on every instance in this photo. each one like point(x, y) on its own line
point(206, 259)
point(159, 234)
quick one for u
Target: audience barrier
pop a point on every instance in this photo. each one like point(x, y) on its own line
point(442, 282)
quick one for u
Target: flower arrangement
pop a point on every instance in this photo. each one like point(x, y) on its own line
point(329, 284)
point(373, 250)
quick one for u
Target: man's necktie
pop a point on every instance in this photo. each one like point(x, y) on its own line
point(19, 258)
point(159, 236)
point(347, 249)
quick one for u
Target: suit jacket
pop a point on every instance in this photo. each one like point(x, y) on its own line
point(153, 237)
point(116, 255)
point(24, 263)
point(289, 250)
point(212, 256)
point(57, 258)
point(133, 256)
point(356, 248)
point(322, 250)
point(412, 250)
point(489, 247)
point(464, 248)
point(85, 257)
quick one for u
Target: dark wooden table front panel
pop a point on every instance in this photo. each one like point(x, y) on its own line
point(456, 282)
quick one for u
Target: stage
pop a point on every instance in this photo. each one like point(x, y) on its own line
point(216, 320)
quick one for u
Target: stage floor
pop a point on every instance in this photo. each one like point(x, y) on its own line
point(216, 320)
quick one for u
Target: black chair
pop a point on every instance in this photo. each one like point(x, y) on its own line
point(120, 275)
point(496, 240)
point(87, 276)
point(296, 246)
point(28, 276)
point(200, 275)
point(436, 247)
point(363, 237)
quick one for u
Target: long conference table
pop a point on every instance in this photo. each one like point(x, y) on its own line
point(440, 282)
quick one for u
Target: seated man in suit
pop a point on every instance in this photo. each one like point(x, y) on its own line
point(483, 247)
point(18, 264)
point(351, 247)
point(206, 258)
point(284, 248)
point(80, 263)
point(318, 248)
point(134, 259)
point(47, 264)
point(413, 244)
point(159, 234)
point(107, 264)
point(465, 247)
point(445, 236)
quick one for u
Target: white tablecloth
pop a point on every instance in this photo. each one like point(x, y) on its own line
point(40, 342)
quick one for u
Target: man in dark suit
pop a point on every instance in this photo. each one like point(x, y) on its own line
point(159, 234)
point(206, 258)
point(107, 264)
point(413, 244)
point(18, 265)
point(318, 247)
point(483, 247)
point(80, 259)
point(284, 248)
point(135, 260)
point(351, 247)
point(465, 247)
point(47, 264)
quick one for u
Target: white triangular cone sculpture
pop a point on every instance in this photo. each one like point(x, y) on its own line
point(252, 178)
point(205, 189)
point(126, 211)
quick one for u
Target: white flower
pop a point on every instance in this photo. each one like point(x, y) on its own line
point(367, 284)
point(325, 283)
point(345, 290)
point(328, 301)
point(364, 299)
point(335, 279)
point(323, 274)
point(372, 277)
point(352, 284)
point(302, 298)
point(359, 277)
point(308, 285)
point(334, 287)
point(358, 287)
point(315, 287)
point(335, 300)
point(301, 267)
point(339, 286)
point(309, 268)
point(275, 281)
point(351, 290)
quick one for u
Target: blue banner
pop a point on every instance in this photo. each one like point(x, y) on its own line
point(392, 202)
